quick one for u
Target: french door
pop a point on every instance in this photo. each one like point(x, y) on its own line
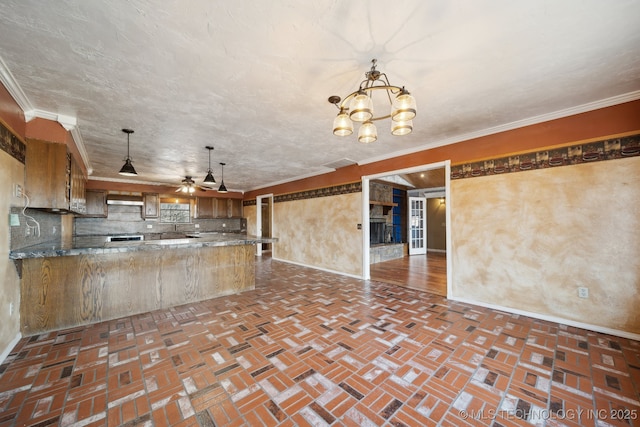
point(417, 225)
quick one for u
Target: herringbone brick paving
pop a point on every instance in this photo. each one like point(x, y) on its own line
point(309, 348)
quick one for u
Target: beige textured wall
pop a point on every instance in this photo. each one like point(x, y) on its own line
point(249, 212)
point(528, 240)
point(11, 171)
point(320, 232)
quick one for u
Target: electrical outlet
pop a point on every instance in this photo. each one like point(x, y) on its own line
point(27, 231)
point(149, 225)
point(10, 309)
point(17, 190)
point(197, 225)
point(583, 292)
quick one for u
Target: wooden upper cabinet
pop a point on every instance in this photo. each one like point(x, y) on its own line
point(53, 179)
point(77, 196)
point(151, 207)
point(217, 207)
point(96, 203)
point(220, 210)
point(235, 208)
point(205, 207)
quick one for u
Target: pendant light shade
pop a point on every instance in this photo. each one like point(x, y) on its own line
point(342, 124)
point(401, 128)
point(403, 107)
point(361, 107)
point(222, 188)
point(128, 169)
point(367, 133)
point(209, 179)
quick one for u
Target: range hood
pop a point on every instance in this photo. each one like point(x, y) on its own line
point(122, 199)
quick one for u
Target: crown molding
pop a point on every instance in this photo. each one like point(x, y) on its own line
point(14, 89)
point(572, 111)
point(68, 122)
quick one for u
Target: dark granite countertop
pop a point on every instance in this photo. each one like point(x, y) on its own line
point(97, 245)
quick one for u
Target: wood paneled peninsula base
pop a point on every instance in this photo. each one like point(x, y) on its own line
point(94, 285)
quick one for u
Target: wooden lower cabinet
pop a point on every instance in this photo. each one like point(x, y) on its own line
point(67, 291)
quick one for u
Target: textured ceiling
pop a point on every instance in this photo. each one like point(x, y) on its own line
point(252, 78)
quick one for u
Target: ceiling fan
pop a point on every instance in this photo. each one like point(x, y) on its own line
point(189, 186)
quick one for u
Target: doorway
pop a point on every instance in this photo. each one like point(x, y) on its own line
point(429, 270)
point(264, 221)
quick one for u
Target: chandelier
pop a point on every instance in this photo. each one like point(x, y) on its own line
point(358, 107)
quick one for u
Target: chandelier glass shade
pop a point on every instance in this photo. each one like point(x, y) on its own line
point(367, 133)
point(358, 107)
point(342, 124)
point(127, 169)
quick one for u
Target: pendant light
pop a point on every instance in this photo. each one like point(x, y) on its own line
point(223, 188)
point(209, 179)
point(128, 169)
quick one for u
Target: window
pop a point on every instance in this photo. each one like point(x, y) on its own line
point(175, 212)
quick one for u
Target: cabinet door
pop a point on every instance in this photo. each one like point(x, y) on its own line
point(220, 208)
point(151, 208)
point(96, 201)
point(77, 182)
point(235, 208)
point(204, 207)
point(47, 167)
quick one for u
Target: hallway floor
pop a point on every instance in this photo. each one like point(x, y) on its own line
point(426, 273)
point(310, 348)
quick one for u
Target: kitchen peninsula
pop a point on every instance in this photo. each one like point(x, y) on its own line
point(67, 285)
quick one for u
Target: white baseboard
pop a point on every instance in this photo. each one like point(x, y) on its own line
point(10, 347)
point(341, 273)
point(587, 326)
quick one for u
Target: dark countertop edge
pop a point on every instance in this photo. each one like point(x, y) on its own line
point(26, 253)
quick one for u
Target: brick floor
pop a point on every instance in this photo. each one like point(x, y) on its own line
point(312, 348)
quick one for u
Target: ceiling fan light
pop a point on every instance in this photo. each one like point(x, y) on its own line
point(367, 133)
point(401, 128)
point(128, 169)
point(361, 107)
point(342, 124)
point(191, 189)
point(403, 107)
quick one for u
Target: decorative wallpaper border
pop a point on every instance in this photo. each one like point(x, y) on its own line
point(609, 149)
point(12, 145)
point(354, 187)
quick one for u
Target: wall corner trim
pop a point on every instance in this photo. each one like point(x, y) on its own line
point(10, 347)
point(554, 319)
